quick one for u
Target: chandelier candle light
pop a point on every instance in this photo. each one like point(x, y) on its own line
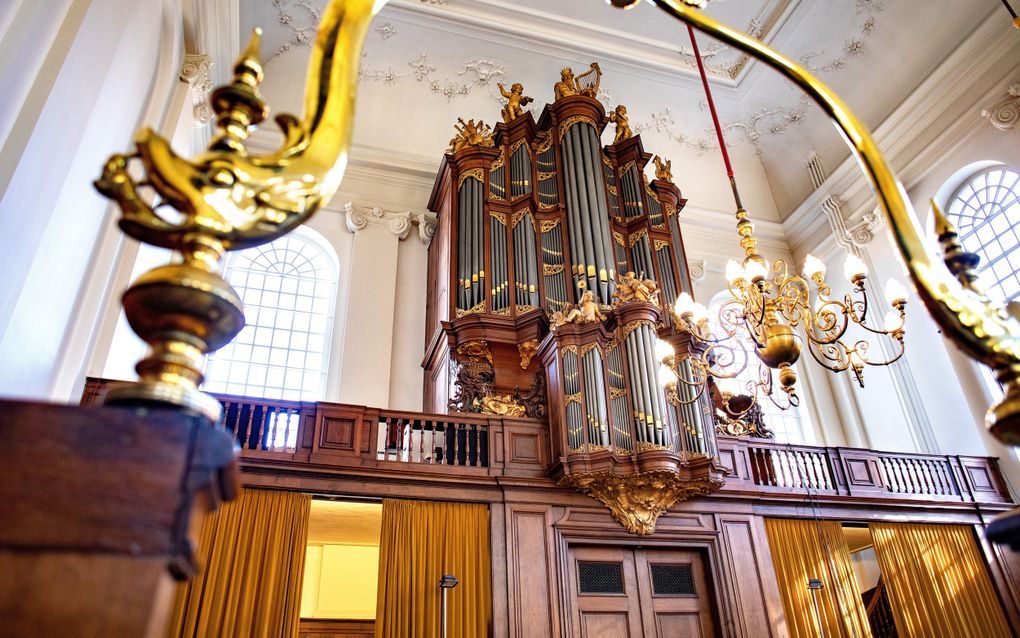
point(766, 307)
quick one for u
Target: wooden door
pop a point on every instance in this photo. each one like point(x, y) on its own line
point(639, 593)
point(604, 593)
point(675, 600)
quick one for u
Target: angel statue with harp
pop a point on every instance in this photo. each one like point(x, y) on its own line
point(586, 83)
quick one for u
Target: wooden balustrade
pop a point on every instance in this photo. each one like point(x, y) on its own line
point(473, 445)
point(774, 468)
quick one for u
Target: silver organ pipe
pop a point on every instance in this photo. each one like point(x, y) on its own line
point(520, 170)
point(630, 186)
point(572, 398)
point(470, 247)
point(587, 212)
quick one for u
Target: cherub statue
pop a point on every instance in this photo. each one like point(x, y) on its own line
point(619, 117)
point(663, 169)
point(470, 134)
point(566, 85)
point(586, 311)
point(515, 101)
point(632, 288)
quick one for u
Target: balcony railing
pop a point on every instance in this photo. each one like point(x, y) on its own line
point(774, 468)
point(348, 436)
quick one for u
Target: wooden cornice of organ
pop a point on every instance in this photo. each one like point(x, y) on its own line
point(525, 228)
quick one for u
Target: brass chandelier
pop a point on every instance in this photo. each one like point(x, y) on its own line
point(767, 306)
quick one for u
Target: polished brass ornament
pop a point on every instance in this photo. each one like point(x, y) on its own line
point(227, 199)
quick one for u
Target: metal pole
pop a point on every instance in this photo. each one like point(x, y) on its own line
point(447, 582)
point(814, 585)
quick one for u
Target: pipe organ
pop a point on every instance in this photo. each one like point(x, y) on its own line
point(564, 258)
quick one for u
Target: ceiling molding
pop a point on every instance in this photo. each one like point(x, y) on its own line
point(931, 121)
point(548, 33)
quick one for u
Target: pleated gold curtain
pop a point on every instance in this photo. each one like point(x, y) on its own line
point(803, 549)
point(251, 559)
point(937, 581)
point(420, 542)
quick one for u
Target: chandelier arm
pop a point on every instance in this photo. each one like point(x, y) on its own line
point(986, 330)
point(831, 337)
point(721, 373)
point(840, 355)
point(994, 338)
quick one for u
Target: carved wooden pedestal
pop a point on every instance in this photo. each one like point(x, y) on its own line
point(100, 509)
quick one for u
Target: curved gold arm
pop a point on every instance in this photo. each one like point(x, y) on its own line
point(229, 200)
point(986, 331)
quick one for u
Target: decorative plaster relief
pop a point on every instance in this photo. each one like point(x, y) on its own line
point(195, 71)
point(1005, 112)
point(397, 222)
point(850, 239)
point(697, 270)
point(477, 72)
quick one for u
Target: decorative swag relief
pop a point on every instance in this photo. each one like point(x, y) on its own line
point(398, 222)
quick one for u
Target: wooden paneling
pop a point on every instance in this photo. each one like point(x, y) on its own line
point(744, 576)
point(532, 613)
point(329, 628)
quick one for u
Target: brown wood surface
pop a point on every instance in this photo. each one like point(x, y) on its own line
point(335, 628)
point(101, 506)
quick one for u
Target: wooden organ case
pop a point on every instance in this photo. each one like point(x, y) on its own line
point(538, 227)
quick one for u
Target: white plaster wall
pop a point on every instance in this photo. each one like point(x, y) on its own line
point(90, 81)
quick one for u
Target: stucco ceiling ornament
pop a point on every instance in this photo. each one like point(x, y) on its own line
point(766, 121)
point(1004, 113)
point(476, 72)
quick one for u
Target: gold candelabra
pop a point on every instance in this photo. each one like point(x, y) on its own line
point(226, 199)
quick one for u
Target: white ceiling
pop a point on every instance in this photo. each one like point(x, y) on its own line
point(429, 61)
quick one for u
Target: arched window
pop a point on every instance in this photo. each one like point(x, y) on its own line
point(986, 213)
point(788, 425)
point(288, 288)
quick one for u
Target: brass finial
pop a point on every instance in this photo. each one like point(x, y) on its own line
point(226, 202)
point(238, 105)
point(961, 263)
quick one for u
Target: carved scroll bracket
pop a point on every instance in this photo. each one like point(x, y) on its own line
point(397, 222)
point(195, 71)
point(1004, 113)
point(637, 501)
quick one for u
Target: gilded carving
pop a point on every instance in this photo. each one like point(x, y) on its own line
point(470, 133)
point(636, 237)
point(478, 349)
point(548, 224)
point(501, 405)
point(585, 84)
point(527, 350)
point(619, 117)
point(586, 311)
point(515, 101)
point(632, 288)
point(663, 169)
point(534, 399)
point(471, 173)
point(637, 501)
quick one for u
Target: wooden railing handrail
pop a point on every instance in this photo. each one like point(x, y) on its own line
point(343, 434)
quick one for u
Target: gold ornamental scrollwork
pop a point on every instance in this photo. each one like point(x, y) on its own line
point(518, 216)
point(477, 348)
point(476, 173)
point(636, 501)
point(636, 236)
point(527, 350)
point(549, 224)
point(574, 119)
point(500, 217)
point(552, 269)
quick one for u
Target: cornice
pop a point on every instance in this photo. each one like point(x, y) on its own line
point(917, 133)
point(498, 21)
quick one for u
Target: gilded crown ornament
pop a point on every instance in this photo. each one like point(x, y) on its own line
point(227, 199)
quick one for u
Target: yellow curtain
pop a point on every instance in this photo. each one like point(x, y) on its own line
point(420, 542)
point(251, 558)
point(804, 549)
point(937, 581)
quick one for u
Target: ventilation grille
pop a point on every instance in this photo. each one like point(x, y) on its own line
point(599, 578)
point(672, 579)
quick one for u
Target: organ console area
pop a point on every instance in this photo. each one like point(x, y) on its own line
point(551, 275)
